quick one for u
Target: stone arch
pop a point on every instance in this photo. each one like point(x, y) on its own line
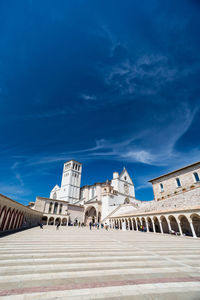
point(196, 223)
point(90, 215)
point(127, 200)
point(7, 220)
point(120, 224)
point(51, 221)
point(44, 220)
point(2, 217)
point(143, 221)
point(130, 224)
point(12, 219)
point(57, 221)
point(126, 223)
point(150, 224)
point(134, 224)
point(164, 224)
point(173, 223)
point(138, 223)
point(64, 221)
point(156, 224)
point(185, 225)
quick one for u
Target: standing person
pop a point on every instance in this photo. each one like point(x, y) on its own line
point(90, 224)
point(57, 226)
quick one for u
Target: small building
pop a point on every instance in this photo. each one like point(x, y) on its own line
point(176, 182)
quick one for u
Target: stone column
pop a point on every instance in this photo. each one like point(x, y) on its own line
point(193, 231)
point(179, 227)
point(169, 225)
point(161, 229)
point(154, 230)
point(136, 224)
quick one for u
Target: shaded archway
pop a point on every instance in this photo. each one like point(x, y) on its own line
point(64, 221)
point(185, 225)
point(134, 224)
point(143, 221)
point(138, 223)
point(196, 223)
point(173, 223)
point(44, 220)
point(130, 224)
point(58, 221)
point(2, 217)
point(120, 224)
point(150, 224)
point(156, 224)
point(164, 224)
point(90, 215)
point(51, 221)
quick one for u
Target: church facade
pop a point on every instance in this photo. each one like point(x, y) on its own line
point(71, 203)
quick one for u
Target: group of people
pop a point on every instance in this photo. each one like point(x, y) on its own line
point(97, 225)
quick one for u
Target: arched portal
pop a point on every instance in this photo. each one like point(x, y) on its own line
point(64, 221)
point(44, 220)
point(90, 215)
point(165, 226)
point(134, 224)
point(150, 224)
point(157, 225)
point(173, 223)
point(196, 223)
point(57, 221)
point(130, 224)
point(185, 225)
point(51, 221)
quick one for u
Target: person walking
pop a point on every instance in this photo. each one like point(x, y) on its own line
point(90, 224)
point(57, 226)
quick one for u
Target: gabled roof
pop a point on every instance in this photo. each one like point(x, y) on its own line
point(125, 171)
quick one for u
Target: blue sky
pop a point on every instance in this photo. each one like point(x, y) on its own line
point(110, 83)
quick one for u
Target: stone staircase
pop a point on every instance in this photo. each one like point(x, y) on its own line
point(76, 263)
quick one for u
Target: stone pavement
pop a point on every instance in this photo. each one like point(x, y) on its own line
point(76, 263)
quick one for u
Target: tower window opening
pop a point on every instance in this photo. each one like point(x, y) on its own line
point(161, 187)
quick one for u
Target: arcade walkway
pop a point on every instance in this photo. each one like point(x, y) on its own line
point(74, 263)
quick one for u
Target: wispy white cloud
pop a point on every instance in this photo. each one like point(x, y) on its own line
point(88, 97)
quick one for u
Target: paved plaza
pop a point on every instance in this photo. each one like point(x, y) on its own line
point(76, 263)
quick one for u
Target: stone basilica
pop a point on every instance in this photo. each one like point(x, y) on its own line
point(72, 203)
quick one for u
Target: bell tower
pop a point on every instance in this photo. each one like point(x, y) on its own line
point(71, 181)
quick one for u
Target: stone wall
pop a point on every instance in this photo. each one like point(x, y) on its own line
point(186, 177)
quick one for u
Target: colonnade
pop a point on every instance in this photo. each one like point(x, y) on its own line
point(55, 220)
point(181, 224)
point(14, 215)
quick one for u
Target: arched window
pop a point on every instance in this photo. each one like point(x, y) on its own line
point(55, 208)
point(50, 207)
point(60, 210)
point(178, 183)
point(161, 187)
point(196, 176)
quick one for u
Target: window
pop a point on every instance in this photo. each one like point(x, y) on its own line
point(60, 211)
point(55, 208)
point(196, 176)
point(178, 183)
point(78, 167)
point(124, 177)
point(50, 207)
point(161, 187)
